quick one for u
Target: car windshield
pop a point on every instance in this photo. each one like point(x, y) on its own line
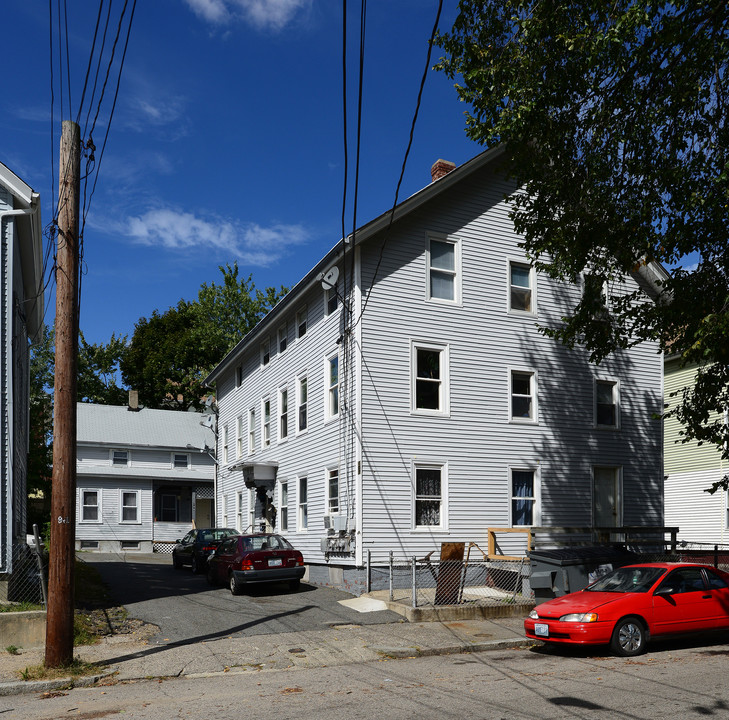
point(627, 580)
point(266, 542)
point(216, 534)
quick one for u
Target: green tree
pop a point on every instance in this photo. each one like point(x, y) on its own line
point(614, 119)
point(171, 353)
point(98, 371)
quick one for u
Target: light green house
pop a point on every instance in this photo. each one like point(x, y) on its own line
point(690, 469)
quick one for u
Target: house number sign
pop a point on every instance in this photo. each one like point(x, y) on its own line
point(63, 520)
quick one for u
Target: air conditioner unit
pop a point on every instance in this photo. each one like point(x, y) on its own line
point(338, 522)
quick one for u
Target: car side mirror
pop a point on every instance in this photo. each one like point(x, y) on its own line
point(666, 590)
point(178, 541)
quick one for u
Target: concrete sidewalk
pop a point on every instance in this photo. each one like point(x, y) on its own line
point(135, 657)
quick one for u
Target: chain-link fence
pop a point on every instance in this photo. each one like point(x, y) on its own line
point(423, 582)
point(24, 587)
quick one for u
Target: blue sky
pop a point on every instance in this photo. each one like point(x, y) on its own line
point(226, 141)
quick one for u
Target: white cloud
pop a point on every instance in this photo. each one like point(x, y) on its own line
point(250, 243)
point(261, 14)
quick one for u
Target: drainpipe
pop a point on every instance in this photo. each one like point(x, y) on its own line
point(9, 442)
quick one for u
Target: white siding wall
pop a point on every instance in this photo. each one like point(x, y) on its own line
point(477, 441)
point(700, 517)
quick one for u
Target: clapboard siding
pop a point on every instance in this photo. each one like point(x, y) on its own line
point(111, 527)
point(700, 516)
point(475, 441)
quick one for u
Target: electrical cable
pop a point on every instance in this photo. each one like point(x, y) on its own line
point(404, 162)
point(91, 57)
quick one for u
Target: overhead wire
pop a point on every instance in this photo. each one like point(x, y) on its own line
point(404, 162)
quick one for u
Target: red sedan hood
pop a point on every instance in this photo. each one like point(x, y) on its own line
point(577, 603)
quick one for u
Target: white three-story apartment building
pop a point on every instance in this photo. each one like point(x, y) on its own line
point(433, 409)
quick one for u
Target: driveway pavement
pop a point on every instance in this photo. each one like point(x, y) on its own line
point(187, 609)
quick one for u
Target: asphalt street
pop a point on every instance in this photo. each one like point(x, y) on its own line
point(186, 608)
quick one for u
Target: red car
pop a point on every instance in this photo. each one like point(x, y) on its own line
point(260, 558)
point(630, 605)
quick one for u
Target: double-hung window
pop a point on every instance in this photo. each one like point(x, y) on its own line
point(333, 491)
point(283, 413)
point(129, 506)
point(303, 515)
point(429, 504)
point(302, 396)
point(266, 423)
point(523, 396)
point(239, 434)
point(239, 512)
point(224, 443)
point(251, 431)
point(331, 299)
point(91, 506)
point(606, 403)
point(301, 322)
point(521, 288)
point(443, 259)
point(265, 352)
point(283, 338)
point(332, 380)
point(523, 497)
point(429, 379)
point(284, 507)
point(181, 461)
point(120, 457)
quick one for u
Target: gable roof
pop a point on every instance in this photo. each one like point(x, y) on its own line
point(117, 426)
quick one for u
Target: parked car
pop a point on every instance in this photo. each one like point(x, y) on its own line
point(195, 548)
point(258, 558)
point(630, 605)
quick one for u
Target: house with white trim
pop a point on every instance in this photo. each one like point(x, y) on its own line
point(21, 313)
point(144, 477)
point(401, 395)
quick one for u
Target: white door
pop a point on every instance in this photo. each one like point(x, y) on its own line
point(606, 497)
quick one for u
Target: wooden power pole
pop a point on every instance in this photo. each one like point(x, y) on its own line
point(59, 626)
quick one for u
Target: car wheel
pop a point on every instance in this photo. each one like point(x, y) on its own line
point(629, 637)
point(176, 562)
point(195, 565)
point(294, 584)
point(235, 588)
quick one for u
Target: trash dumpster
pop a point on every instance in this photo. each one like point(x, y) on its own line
point(565, 570)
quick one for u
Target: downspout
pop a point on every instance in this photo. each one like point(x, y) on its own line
point(7, 351)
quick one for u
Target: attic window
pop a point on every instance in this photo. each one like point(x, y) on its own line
point(120, 458)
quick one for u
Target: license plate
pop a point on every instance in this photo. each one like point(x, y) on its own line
point(275, 562)
point(541, 629)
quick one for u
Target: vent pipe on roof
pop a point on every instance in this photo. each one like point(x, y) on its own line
point(441, 168)
point(133, 400)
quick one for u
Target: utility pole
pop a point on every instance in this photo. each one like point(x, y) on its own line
point(59, 625)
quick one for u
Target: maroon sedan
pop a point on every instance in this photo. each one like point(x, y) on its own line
point(632, 604)
point(260, 558)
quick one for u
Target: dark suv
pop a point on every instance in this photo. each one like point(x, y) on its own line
point(197, 545)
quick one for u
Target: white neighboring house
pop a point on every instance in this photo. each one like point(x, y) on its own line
point(144, 477)
point(437, 410)
point(21, 310)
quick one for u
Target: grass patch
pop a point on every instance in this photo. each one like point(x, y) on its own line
point(78, 668)
point(20, 607)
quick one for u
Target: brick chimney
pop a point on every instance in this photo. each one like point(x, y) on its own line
point(441, 168)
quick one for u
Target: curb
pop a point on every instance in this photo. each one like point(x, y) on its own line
point(21, 687)
point(400, 652)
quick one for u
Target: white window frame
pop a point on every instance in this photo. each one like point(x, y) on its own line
point(535, 498)
point(331, 297)
point(283, 413)
point(239, 435)
point(265, 352)
point(302, 322)
point(282, 337)
point(522, 263)
point(239, 511)
point(224, 509)
point(224, 439)
point(176, 455)
point(266, 423)
point(443, 468)
point(301, 382)
point(98, 506)
point(283, 506)
point(137, 506)
point(533, 395)
point(332, 395)
point(252, 511)
point(333, 503)
point(112, 457)
point(444, 380)
point(616, 403)
point(302, 504)
point(456, 273)
point(251, 431)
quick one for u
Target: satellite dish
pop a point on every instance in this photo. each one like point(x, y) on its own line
point(330, 277)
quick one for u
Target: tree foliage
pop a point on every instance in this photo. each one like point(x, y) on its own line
point(614, 118)
point(171, 353)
